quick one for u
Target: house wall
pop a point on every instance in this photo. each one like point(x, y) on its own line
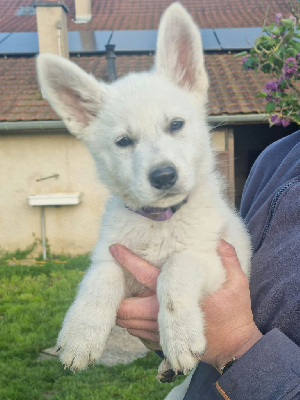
point(24, 158)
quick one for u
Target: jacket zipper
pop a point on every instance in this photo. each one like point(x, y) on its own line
point(280, 191)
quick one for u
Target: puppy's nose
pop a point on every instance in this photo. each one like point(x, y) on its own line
point(163, 176)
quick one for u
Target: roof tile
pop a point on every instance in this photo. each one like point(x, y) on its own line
point(232, 90)
point(145, 14)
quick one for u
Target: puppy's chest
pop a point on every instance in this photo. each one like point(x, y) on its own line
point(155, 241)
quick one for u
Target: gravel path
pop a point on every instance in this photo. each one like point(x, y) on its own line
point(121, 348)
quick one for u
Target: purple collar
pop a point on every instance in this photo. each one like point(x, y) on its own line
point(159, 214)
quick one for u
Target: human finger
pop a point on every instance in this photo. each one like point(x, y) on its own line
point(230, 261)
point(142, 334)
point(139, 308)
point(144, 273)
point(146, 325)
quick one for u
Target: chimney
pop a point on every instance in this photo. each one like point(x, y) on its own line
point(52, 27)
point(83, 10)
point(111, 62)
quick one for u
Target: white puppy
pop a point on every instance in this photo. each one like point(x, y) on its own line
point(149, 137)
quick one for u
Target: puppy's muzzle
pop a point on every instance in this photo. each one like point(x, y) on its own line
point(163, 176)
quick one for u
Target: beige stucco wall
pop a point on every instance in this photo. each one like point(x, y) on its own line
point(24, 158)
point(51, 39)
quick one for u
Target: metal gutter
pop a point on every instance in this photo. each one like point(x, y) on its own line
point(21, 126)
point(238, 119)
point(24, 126)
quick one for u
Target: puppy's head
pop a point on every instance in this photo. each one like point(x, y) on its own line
point(147, 131)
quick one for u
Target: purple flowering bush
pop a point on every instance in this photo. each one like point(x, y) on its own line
point(277, 53)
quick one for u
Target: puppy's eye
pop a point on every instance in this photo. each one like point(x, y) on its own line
point(124, 142)
point(176, 125)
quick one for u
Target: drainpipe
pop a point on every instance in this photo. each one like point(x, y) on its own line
point(59, 27)
point(111, 62)
point(43, 233)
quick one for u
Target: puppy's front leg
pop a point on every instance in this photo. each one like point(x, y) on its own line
point(181, 285)
point(91, 317)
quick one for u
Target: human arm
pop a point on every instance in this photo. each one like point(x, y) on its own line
point(228, 311)
point(263, 368)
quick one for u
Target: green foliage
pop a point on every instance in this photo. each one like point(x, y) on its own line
point(33, 301)
point(277, 53)
point(18, 254)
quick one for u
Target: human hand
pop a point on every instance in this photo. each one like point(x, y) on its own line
point(230, 329)
point(139, 314)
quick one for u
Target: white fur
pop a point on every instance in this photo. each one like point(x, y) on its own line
point(142, 106)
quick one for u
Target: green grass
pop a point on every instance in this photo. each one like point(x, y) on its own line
point(33, 301)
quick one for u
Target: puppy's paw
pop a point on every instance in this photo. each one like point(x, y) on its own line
point(81, 343)
point(183, 340)
point(165, 372)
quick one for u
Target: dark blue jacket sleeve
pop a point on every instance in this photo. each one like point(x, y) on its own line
point(270, 370)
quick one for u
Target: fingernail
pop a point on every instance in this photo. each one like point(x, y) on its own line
point(113, 250)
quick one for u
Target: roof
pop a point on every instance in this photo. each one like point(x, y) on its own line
point(145, 14)
point(232, 90)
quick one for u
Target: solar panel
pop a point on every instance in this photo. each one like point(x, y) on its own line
point(145, 41)
point(128, 41)
point(27, 42)
point(25, 10)
point(134, 41)
point(20, 43)
point(4, 36)
point(237, 38)
point(209, 40)
point(88, 41)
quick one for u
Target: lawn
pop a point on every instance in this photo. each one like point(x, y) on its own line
point(33, 301)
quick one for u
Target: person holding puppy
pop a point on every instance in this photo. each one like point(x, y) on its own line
point(252, 329)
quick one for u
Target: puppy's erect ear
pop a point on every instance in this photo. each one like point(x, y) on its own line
point(179, 55)
point(74, 95)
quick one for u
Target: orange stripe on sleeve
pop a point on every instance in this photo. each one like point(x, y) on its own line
point(221, 391)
